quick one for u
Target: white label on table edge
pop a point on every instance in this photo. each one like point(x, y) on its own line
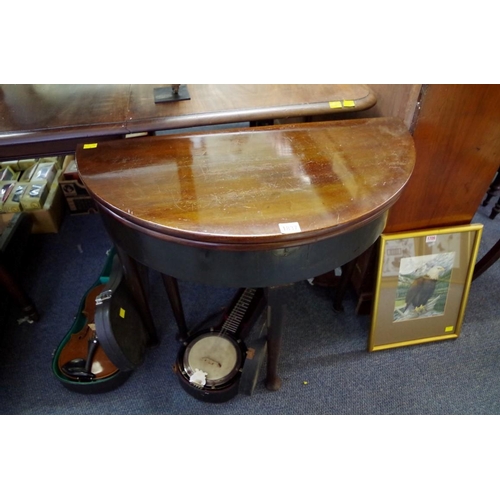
point(289, 227)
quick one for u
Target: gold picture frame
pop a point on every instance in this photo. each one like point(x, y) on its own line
point(422, 287)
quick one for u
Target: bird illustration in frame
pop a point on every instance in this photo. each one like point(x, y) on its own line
point(422, 292)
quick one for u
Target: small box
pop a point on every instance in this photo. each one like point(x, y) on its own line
point(27, 174)
point(73, 187)
point(8, 174)
point(49, 218)
point(5, 190)
point(13, 202)
point(13, 164)
point(70, 172)
point(58, 160)
point(26, 164)
point(81, 205)
point(45, 172)
point(34, 197)
point(77, 197)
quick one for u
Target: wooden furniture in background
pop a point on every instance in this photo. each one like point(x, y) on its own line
point(38, 120)
point(456, 129)
point(457, 139)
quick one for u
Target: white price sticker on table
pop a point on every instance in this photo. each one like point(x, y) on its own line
point(289, 227)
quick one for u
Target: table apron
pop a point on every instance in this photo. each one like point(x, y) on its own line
point(253, 268)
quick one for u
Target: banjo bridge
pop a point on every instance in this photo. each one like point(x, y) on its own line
point(212, 362)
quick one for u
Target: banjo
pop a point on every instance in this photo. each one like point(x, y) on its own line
point(210, 363)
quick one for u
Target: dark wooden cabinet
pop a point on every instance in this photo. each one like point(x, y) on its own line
point(456, 129)
point(457, 140)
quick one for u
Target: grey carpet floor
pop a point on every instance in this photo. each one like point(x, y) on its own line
point(324, 364)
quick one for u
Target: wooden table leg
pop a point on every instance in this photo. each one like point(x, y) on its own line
point(136, 286)
point(172, 288)
point(345, 280)
point(275, 314)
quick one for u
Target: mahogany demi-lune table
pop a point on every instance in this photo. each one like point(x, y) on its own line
point(253, 207)
point(43, 119)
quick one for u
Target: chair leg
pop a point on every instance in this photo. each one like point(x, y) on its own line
point(487, 261)
point(494, 190)
point(495, 210)
point(29, 310)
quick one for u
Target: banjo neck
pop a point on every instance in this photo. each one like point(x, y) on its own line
point(235, 318)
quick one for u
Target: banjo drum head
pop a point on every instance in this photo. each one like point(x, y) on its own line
point(219, 356)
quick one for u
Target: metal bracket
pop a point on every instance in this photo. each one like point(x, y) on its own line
point(106, 295)
point(172, 93)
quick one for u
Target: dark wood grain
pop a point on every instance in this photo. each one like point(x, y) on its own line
point(237, 187)
point(208, 207)
point(457, 139)
point(51, 119)
point(222, 103)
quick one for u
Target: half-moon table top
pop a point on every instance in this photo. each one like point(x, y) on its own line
point(252, 188)
point(37, 119)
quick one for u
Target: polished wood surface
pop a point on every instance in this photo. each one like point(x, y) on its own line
point(217, 104)
point(210, 207)
point(457, 139)
point(40, 119)
point(236, 187)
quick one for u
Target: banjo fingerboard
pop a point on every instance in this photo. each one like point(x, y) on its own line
point(237, 314)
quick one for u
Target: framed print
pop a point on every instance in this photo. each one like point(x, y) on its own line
point(423, 282)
